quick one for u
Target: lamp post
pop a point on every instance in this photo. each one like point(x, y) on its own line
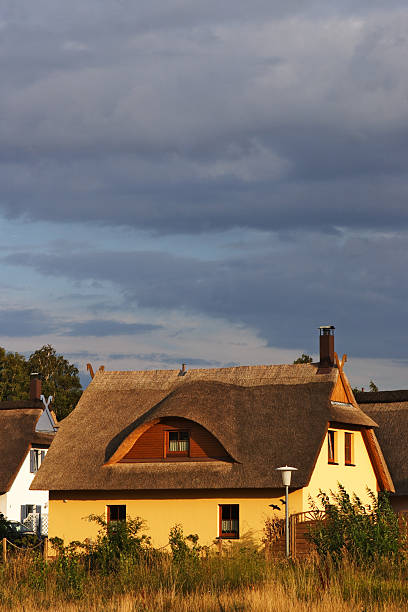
point(286, 472)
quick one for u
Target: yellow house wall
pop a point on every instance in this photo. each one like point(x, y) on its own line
point(197, 512)
point(355, 478)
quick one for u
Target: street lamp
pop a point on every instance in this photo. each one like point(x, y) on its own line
point(286, 472)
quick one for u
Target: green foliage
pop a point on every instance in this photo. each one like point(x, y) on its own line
point(183, 548)
point(304, 359)
point(372, 386)
point(4, 526)
point(116, 542)
point(60, 379)
point(365, 534)
point(14, 376)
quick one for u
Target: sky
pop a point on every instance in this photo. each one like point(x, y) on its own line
point(205, 182)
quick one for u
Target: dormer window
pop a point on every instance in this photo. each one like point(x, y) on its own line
point(178, 443)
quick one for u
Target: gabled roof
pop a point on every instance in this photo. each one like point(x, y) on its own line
point(390, 411)
point(18, 422)
point(264, 416)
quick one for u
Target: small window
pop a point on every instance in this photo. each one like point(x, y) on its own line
point(332, 446)
point(229, 521)
point(36, 458)
point(348, 448)
point(116, 513)
point(178, 443)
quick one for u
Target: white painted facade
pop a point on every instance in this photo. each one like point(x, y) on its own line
point(20, 494)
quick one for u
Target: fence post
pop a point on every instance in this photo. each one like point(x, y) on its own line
point(4, 550)
point(45, 551)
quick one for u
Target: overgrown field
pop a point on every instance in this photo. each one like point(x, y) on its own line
point(240, 580)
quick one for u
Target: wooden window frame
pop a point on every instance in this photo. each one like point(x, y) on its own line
point(232, 535)
point(332, 447)
point(349, 448)
point(109, 507)
point(170, 454)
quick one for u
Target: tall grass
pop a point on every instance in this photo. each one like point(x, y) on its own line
point(121, 571)
point(237, 581)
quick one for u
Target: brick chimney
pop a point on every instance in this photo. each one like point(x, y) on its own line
point(326, 346)
point(35, 386)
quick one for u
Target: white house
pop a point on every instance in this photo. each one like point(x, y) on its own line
point(27, 429)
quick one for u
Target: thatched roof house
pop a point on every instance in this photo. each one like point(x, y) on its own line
point(390, 410)
point(263, 416)
point(178, 446)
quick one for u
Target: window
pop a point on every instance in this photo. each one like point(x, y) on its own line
point(229, 521)
point(36, 458)
point(348, 448)
point(116, 513)
point(178, 443)
point(332, 446)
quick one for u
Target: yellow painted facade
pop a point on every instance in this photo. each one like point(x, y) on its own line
point(197, 511)
point(356, 478)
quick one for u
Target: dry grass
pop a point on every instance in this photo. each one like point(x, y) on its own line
point(270, 598)
point(234, 584)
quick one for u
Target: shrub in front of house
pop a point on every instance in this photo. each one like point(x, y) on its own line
point(350, 528)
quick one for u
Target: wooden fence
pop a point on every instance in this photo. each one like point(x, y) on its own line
point(7, 546)
point(300, 525)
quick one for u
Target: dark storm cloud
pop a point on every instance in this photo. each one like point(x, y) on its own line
point(181, 117)
point(101, 328)
point(166, 359)
point(25, 322)
point(285, 292)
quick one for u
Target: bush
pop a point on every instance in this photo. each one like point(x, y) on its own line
point(116, 542)
point(365, 533)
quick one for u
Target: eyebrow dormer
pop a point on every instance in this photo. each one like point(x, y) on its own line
point(172, 439)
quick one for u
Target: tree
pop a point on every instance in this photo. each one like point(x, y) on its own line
point(304, 359)
point(14, 376)
point(59, 379)
point(372, 386)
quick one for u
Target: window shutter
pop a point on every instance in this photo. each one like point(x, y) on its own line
point(38, 509)
point(23, 512)
point(42, 456)
point(32, 470)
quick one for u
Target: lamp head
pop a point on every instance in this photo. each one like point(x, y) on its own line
point(286, 472)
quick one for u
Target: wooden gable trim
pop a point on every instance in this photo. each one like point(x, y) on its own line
point(342, 391)
point(377, 460)
point(128, 442)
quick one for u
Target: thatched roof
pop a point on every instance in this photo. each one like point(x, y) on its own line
point(264, 416)
point(17, 433)
point(390, 411)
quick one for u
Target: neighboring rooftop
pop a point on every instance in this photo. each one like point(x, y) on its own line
point(390, 410)
point(18, 422)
